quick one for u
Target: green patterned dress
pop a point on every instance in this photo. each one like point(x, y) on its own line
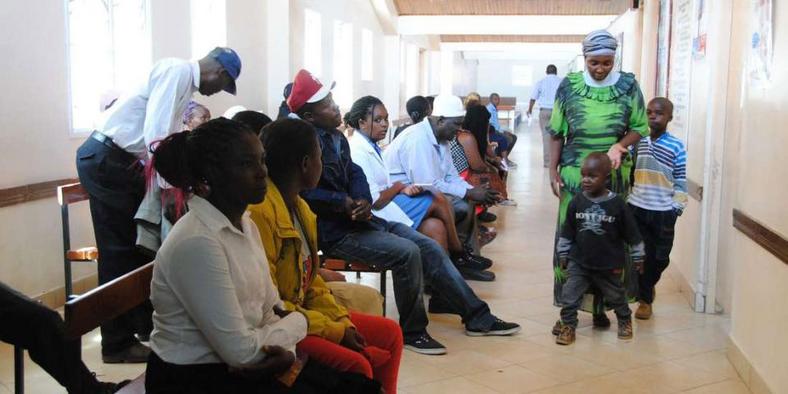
point(592, 119)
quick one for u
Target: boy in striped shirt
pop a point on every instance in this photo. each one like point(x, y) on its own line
point(658, 197)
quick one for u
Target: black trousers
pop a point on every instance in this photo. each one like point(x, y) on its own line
point(40, 331)
point(657, 229)
point(162, 377)
point(115, 181)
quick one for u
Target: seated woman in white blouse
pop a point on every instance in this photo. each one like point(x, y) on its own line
point(218, 322)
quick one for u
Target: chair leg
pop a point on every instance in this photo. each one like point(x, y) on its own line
point(358, 275)
point(383, 289)
point(19, 370)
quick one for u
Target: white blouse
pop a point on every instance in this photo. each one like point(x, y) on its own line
point(364, 155)
point(212, 293)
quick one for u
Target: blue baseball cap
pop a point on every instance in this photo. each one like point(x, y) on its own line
point(230, 62)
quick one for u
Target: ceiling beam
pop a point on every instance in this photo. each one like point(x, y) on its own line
point(510, 38)
point(512, 7)
point(503, 24)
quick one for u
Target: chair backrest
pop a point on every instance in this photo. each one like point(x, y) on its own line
point(88, 311)
point(71, 193)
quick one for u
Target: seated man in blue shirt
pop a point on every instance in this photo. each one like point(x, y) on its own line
point(505, 139)
point(422, 156)
point(348, 230)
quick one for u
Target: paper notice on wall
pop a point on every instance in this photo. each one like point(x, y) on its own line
point(759, 62)
point(681, 67)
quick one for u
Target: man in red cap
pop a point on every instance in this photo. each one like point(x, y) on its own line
point(348, 230)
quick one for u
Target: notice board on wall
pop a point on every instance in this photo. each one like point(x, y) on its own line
point(680, 74)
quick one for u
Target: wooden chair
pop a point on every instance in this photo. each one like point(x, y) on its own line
point(87, 311)
point(358, 268)
point(66, 195)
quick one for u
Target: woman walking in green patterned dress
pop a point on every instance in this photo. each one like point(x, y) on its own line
point(597, 110)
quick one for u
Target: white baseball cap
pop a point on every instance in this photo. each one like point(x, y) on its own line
point(448, 106)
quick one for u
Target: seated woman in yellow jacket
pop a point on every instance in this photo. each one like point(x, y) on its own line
point(342, 339)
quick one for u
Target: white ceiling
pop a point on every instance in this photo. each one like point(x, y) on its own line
point(516, 51)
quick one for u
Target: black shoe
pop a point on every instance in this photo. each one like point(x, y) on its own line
point(438, 305)
point(481, 260)
point(425, 344)
point(487, 217)
point(478, 275)
point(109, 388)
point(134, 354)
point(470, 261)
point(601, 320)
point(499, 328)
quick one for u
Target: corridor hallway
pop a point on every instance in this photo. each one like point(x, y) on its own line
point(677, 351)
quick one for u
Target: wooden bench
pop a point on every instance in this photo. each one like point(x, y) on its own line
point(357, 267)
point(66, 195)
point(85, 312)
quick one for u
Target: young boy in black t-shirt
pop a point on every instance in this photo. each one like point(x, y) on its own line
point(592, 248)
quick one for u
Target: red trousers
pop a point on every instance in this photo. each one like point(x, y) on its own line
point(379, 332)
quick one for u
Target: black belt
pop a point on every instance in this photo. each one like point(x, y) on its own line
point(104, 140)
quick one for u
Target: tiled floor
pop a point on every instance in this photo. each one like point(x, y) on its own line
point(677, 351)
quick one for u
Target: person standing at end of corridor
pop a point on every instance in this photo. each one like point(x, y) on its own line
point(658, 197)
point(544, 95)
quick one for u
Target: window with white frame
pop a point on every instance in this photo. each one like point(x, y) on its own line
point(367, 55)
point(109, 49)
point(343, 63)
point(313, 40)
point(522, 75)
point(209, 26)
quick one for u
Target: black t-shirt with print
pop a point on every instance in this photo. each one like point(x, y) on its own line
point(598, 230)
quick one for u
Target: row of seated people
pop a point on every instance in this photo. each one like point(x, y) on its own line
point(306, 158)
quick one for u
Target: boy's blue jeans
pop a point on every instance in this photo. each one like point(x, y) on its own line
point(579, 279)
point(413, 258)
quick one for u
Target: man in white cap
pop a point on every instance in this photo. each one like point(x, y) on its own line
point(422, 156)
point(348, 230)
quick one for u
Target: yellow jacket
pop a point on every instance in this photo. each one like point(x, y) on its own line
point(282, 244)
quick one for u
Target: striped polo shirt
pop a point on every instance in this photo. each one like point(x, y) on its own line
point(660, 174)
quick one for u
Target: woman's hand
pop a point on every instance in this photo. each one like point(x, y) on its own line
point(412, 190)
point(276, 361)
point(555, 182)
point(615, 153)
point(353, 340)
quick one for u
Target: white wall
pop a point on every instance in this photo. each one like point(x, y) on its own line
point(358, 12)
point(35, 145)
point(464, 75)
point(495, 76)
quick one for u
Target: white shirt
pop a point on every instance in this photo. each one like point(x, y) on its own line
point(544, 91)
point(365, 156)
point(416, 157)
point(212, 293)
point(154, 110)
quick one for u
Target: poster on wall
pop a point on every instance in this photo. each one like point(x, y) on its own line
point(760, 51)
point(663, 47)
point(680, 70)
point(619, 62)
point(699, 41)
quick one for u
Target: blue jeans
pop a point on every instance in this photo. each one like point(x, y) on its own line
point(412, 259)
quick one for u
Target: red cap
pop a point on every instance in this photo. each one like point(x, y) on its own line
point(306, 89)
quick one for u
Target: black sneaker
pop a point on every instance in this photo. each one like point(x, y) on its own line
point(499, 328)
point(467, 260)
point(425, 344)
point(477, 275)
point(479, 259)
point(487, 217)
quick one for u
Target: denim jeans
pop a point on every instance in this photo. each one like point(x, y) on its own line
point(579, 279)
point(412, 259)
point(465, 222)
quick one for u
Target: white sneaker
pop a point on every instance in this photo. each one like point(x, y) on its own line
point(508, 203)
